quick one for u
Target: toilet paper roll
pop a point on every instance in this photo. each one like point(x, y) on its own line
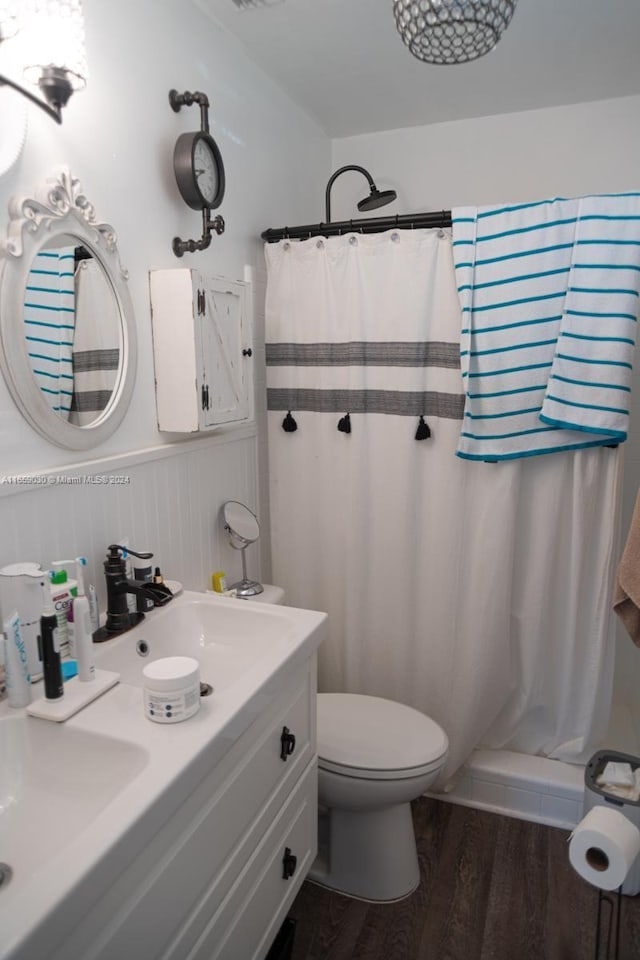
point(603, 847)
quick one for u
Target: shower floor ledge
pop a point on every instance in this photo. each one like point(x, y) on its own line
point(517, 785)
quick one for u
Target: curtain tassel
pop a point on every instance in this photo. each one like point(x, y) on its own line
point(423, 432)
point(344, 424)
point(289, 424)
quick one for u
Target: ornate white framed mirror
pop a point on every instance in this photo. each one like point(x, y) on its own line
point(67, 328)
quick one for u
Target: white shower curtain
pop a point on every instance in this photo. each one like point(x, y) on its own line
point(476, 592)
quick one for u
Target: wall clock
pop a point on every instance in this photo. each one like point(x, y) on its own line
point(199, 172)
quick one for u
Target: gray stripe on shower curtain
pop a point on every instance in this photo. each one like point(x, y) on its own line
point(403, 403)
point(365, 353)
point(87, 361)
point(89, 401)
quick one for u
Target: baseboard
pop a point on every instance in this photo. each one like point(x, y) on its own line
point(516, 785)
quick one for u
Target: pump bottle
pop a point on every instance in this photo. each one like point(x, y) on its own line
point(50, 647)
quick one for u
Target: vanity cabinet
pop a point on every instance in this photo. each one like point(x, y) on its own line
point(201, 348)
point(219, 876)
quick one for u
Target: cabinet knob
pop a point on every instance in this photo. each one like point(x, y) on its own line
point(289, 864)
point(248, 352)
point(287, 743)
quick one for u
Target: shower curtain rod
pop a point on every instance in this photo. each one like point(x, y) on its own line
point(407, 221)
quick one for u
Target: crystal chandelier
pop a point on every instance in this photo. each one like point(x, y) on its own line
point(452, 31)
point(253, 4)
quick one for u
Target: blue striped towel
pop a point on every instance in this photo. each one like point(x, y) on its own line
point(550, 293)
point(49, 313)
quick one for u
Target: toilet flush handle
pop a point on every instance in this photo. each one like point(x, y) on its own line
point(287, 743)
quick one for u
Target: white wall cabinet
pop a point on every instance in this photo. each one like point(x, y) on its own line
point(202, 350)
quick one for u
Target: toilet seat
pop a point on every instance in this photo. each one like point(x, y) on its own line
point(376, 739)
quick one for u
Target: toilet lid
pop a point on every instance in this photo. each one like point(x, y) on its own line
point(374, 737)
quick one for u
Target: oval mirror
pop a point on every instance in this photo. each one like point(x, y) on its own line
point(67, 331)
point(241, 523)
point(243, 529)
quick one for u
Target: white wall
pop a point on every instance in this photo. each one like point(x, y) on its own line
point(117, 136)
point(560, 151)
point(564, 151)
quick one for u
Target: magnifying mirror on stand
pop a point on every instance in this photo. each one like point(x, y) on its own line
point(243, 529)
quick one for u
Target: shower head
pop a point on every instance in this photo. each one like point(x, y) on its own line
point(377, 198)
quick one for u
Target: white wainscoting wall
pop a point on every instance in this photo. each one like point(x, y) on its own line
point(166, 499)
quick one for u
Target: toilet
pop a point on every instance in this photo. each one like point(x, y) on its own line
point(374, 757)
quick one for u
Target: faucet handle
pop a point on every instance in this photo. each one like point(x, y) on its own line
point(114, 547)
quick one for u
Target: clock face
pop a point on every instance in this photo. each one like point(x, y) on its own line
point(199, 170)
point(205, 170)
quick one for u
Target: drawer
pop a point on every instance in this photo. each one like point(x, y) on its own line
point(198, 854)
point(248, 919)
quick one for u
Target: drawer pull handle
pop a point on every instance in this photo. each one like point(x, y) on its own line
point(289, 864)
point(287, 743)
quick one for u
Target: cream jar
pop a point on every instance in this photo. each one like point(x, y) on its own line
point(171, 688)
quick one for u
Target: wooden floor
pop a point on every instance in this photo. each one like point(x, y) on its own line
point(492, 888)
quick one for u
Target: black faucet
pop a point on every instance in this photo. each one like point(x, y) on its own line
point(119, 618)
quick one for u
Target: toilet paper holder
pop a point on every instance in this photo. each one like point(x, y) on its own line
point(610, 944)
point(607, 945)
point(595, 795)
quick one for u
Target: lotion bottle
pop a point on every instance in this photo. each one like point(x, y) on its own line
point(83, 628)
point(16, 664)
point(50, 647)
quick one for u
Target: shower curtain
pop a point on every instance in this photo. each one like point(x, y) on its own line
point(476, 592)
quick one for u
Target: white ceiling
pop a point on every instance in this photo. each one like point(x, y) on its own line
point(345, 64)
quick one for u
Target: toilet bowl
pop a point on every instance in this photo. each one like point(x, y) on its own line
point(374, 757)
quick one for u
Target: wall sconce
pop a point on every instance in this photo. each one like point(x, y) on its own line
point(48, 37)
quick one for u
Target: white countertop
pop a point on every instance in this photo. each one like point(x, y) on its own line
point(157, 765)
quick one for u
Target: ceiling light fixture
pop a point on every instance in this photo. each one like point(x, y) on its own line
point(253, 4)
point(52, 54)
point(452, 31)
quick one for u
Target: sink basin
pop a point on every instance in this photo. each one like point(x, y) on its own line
point(227, 638)
point(53, 782)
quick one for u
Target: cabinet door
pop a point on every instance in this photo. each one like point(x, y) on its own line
point(225, 369)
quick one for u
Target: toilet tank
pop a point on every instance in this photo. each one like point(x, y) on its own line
point(270, 594)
